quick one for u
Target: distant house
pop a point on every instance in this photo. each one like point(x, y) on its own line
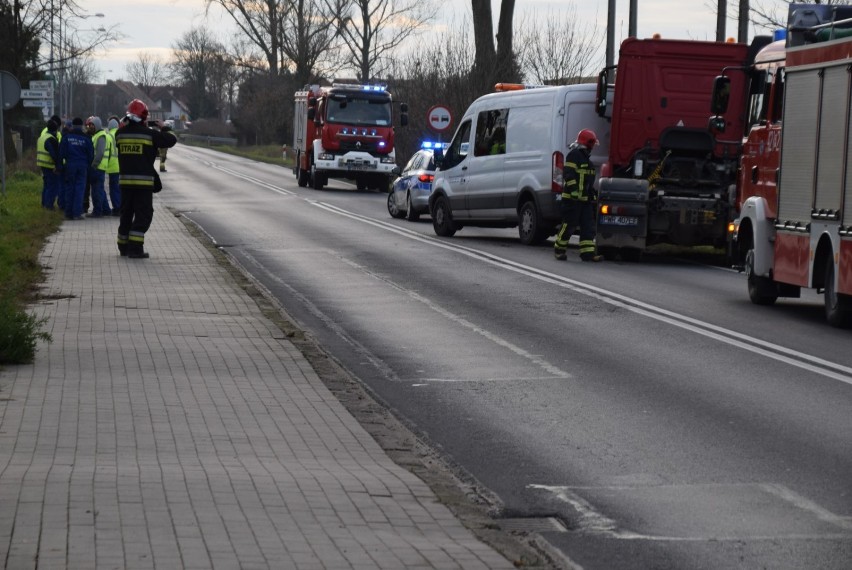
point(172, 106)
point(113, 98)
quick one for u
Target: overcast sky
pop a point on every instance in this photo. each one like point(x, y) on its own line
point(154, 25)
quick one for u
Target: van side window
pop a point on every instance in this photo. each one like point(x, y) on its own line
point(459, 148)
point(491, 132)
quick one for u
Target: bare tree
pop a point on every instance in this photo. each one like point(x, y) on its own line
point(147, 71)
point(309, 34)
point(196, 56)
point(261, 22)
point(371, 30)
point(557, 49)
point(491, 61)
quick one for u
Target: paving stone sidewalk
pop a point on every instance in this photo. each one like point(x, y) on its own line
point(171, 425)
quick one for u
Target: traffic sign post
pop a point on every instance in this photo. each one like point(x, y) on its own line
point(439, 118)
point(10, 94)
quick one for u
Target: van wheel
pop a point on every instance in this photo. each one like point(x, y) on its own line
point(442, 218)
point(761, 290)
point(410, 214)
point(838, 307)
point(531, 230)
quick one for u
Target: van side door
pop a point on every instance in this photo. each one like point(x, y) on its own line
point(451, 177)
point(485, 188)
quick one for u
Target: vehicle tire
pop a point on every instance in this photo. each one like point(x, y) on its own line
point(761, 290)
point(838, 307)
point(361, 183)
point(442, 218)
point(410, 214)
point(316, 179)
point(531, 229)
point(393, 209)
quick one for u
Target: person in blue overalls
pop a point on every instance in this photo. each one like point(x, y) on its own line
point(76, 152)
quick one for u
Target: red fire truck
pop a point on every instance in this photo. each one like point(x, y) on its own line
point(795, 185)
point(669, 178)
point(345, 131)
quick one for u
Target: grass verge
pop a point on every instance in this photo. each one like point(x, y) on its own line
point(24, 228)
point(270, 153)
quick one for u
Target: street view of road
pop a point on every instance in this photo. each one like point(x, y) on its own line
point(635, 415)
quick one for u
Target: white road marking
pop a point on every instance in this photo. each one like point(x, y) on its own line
point(727, 336)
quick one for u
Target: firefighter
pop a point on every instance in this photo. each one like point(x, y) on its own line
point(579, 199)
point(164, 151)
point(137, 150)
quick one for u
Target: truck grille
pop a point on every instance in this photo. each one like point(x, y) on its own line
point(365, 146)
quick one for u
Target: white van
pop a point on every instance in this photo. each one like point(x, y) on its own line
point(503, 167)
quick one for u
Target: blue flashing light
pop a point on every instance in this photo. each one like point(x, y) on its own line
point(779, 35)
point(433, 145)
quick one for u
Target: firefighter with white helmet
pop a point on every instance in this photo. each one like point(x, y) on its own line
point(137, 150)
point(579, 200)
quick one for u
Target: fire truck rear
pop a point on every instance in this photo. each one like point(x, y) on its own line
point(345, 131)
point(669, 178)
point(795, 185)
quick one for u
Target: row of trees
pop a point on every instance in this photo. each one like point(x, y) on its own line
point(281, 45)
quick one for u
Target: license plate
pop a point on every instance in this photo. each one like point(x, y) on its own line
point(620, 220)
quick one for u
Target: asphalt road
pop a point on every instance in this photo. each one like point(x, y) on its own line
point(635, 415)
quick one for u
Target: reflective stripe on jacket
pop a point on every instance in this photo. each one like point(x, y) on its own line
point(112, 165)
point(579, 175)
point(44, 158)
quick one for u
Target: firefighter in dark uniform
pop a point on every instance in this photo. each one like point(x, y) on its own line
point(579, 200)
point(138, 145)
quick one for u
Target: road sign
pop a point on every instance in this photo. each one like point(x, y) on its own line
point(37, 102)
point(11, 90)
point(439, 118)
point(35, 93)
point(42, 85)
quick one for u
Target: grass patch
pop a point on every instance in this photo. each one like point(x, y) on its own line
point(24, 228)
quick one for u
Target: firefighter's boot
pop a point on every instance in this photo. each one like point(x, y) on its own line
point(136, 251)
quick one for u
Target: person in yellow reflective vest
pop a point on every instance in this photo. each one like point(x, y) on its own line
point(47, 158)
point(579, 199)
point(97, 171)
point(112, 168)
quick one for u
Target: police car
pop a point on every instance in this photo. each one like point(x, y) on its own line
point(409, 196)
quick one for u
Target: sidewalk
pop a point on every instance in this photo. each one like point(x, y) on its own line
point(171, 425)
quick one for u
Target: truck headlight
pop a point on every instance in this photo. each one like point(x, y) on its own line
point(388, 160)
point(326, 156)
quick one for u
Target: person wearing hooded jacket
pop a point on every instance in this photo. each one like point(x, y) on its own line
point(98, 168)
point(137, 150)
point(579, 201)
point(112, 168)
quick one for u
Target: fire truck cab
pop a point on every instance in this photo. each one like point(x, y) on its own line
point(345, 131)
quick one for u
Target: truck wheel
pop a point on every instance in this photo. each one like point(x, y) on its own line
point(761, 290)
point(304, 177)
point(410, 214)
point(531, 229)
point(316, 179)
point(609, 253)
point(838, 307)
point(442, 218)
point(361, 183)
point(393, 209)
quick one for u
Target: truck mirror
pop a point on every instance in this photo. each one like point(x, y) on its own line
point(312, 101)
point(403, 119)
point(721, 95)
point(403, 107)
point(717, 124)
point(603, 83)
